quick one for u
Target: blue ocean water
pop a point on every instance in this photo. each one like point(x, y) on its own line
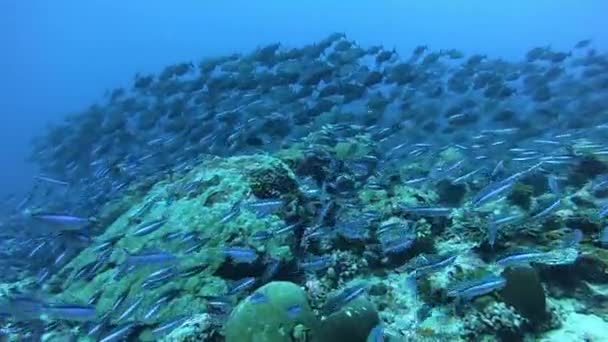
point(428, 149)
point(66, 53)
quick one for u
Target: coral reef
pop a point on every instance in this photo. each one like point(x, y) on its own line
point(282, 314)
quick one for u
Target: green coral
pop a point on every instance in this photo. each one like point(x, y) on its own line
point(353, 148)
point(451, 154)
point(275, 318)
point(525, 293)
point(521, 195)
point(193, 202)
point(352, 323)
point(271, 179)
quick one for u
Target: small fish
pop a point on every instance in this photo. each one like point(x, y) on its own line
point(241, 285)
point(465, 177)
point(241, 254)
point(95, 297)
point(96, 328)
point(131, 309)
point(149, 227)
point(191, 271)
point(62, 221)
point(263, 208)
point(149, 257)
point(600, 183)
point(500, 221)
point(376, 334)
point(258, 298)
point(271, 270)
point(603, 237)
point(60, 258)
point(22, 307)
point(491, 192)
point(51, 180)
point(425, 264)
point(473, 288)
point(285, 229)
point(71, 312)
point(492, 234)
point(582, 44)
point(390, 227)
point(553, 184)
point(261, 235)
point(572, 239)
point(338, 301)
point(234, 212)
point(169, 326)
point(415, 180)
point(547, 211)
point(43, 275)
point(119, 334)
point(428, 211)
point(316, 263)
point(521, 258)
point(398, 245)
point(121, 299)
point(294, 310)
point(37, 248)
point(219, 305)
point(603, 211)
point(153, 311)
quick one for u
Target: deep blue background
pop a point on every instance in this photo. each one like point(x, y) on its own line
point(59, 56)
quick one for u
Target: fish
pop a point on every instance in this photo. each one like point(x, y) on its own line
point(258, 298)
point(376, 334)
point(365, 127)
point(603, 237)
point(492, 192)
point(266, 207)
point(428, 211)
point(553, 184)
point(600, 183)
point(547, 211)
point(240, 254)
point(71, 312)
point(603, 211)
point(234, 212)
point(219, 305)
point(271, 270)
point(340, 299)
point(242, 285)
point(22, 307)
point(153, 311)
point(148, 257)
point(316, 263)
point(582, 43)
point(294, 310)
point(426, 264)
point(130, 309)
point(169, 326)
point(149, 227)
point(508, 219)
point(470, 289)
point(398, 245)
point(492, 234)
point(572, 239)
point(51, 180)
point(119, 333)
point(521, 258)
point(62, 221)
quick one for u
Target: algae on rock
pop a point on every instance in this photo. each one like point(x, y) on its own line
point(282, 316)
point(192, 203)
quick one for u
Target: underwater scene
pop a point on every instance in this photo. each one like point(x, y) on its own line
point(332, 190)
